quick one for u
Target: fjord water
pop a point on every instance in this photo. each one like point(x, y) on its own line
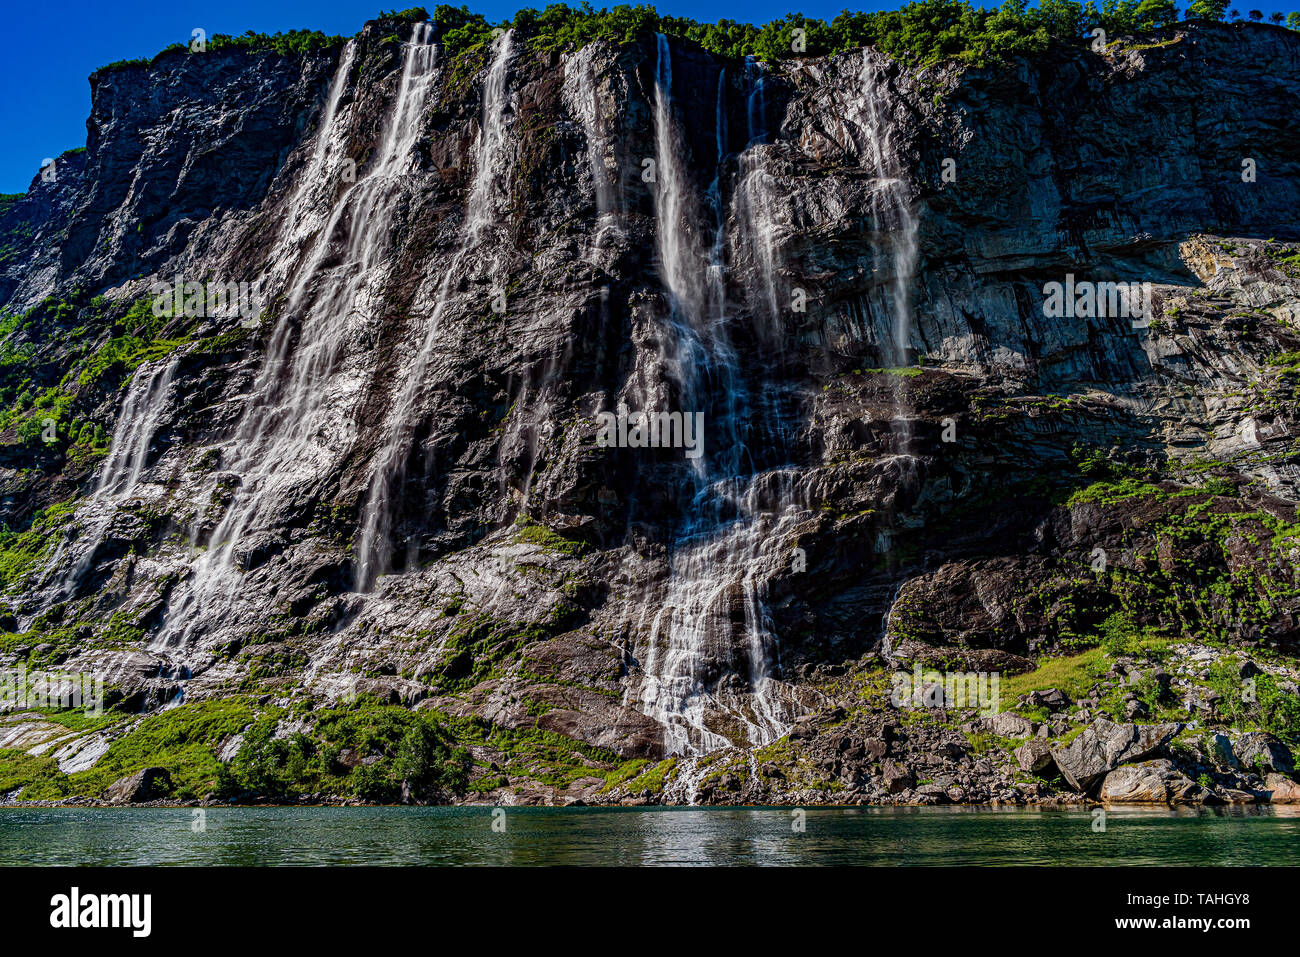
point(648, 836)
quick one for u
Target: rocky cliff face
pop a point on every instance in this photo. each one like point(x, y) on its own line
point(390, 479)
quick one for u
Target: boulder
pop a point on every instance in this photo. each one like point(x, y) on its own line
point(1281, 789)
point(876, 748)
point(1221, 753)
point(1260, 751)
point(1034, 755)
point(1104, 745)
point(1008, 725)
point(1150, 782)
point(933, 793)
point(1054, 699)
point(897, 778)
point(1201, 699)
point(148, 784)
point(1236, 796)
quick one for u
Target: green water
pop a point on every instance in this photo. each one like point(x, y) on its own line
point(872, 836)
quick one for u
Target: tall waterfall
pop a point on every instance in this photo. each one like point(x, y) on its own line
point(295, 422)
point(480, 212)
point(894, 216)
point(586, 105)
point(725, 549)
point(757, 203)
point(142, 413)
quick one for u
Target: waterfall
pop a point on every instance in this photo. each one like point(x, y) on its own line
point(585, 104)
point(756, 102)
point(296, 422)
point(141, 415)
point(757, 207)
point(725, 549)
point(313, 188)
point(481, 210)
point(893, 213)
point(138, 421)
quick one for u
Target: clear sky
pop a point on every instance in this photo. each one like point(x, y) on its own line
point(51, 51)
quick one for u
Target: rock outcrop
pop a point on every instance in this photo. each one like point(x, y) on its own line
point(1105, 745)
point(389, 481)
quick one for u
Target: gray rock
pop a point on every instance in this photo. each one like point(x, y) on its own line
point(1034, 755)
point(1054, 699)
point(1260, 751)
point(1150, 782)
point(1104, 746)
point(897, 778)
point(1135, 709)
point(1008, 725)
point(148, 784)
point(1220, 750)
point(1281, 789)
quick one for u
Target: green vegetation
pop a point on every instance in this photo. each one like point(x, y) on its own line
point(984, 742)
point(1261, 705)
point(533, 753)
point(293, 43)
point(544, 537)
point(182, 740)
point(51, 371)
point(21, 551)
point(366, 749)
point(921, 34)
point(1075, 675)
point(653, 779)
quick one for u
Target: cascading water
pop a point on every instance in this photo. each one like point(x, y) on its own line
point(757, 204)
point(586, 105)
point(295, 423)
point(142, 413)
point(480, 213)
point(895, 226)
point(725, 550)
point(138, 421)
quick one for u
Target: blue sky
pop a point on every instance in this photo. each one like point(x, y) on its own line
point(48, 57)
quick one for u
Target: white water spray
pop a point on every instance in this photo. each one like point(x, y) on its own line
point(724, 552)
point(481, 211)
point(141, 415)
point(295, 422)
point(892, 210)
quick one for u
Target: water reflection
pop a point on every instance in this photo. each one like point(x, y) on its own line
point(649, 836)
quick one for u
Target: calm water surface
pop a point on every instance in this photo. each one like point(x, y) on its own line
point(873, 836)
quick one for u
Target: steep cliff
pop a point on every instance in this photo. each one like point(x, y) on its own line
point(389, 477)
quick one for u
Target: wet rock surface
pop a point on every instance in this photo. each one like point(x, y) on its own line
point(1009, 490)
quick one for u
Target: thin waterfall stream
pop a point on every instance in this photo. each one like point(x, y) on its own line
point(480, 213)
point(141, 415)
point(896, 220)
